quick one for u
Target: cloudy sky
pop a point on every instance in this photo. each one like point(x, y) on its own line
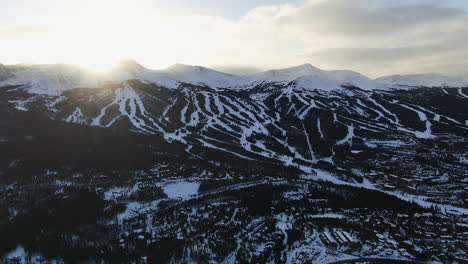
point(374, 37)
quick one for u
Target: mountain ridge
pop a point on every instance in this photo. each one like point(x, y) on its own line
point(423, 80)
point(55, 78)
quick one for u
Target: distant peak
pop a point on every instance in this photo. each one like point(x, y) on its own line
point(305, 65)
point(129, 64)
point(185, 68)
point(294, 72)
point(303, 68)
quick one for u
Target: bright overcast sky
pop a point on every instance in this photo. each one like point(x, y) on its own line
point(374, 37)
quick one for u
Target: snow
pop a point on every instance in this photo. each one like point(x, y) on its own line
point(286, 75)
point(329, 215)
point(423, 80)
point(134, 209)
point(356, 79)
point(57, 78)
point(181, 189)
point(49, 79)
point(325, 176)
point(460, 92)
point(311, 152)
point(422, 116)
point(310, 77)
point(136, 112)
point(349, 237)
point(202, 75)
point(20, 256)
point(316, 82)
point(18, 253)
point(396, 121)
point(76, 117)
point(130, 69)
point(320, 129)
point(329, 237)
point(20, 105)
point(420, 200)
point(115, 193)
point(349, 137)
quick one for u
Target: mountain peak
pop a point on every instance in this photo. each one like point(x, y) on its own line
point(304, 66)
point(288, 74)
point(129, 64)
point(179, 68)
point(298, 71)
point(425, 80)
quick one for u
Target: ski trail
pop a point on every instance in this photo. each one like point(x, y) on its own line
point(308, 142)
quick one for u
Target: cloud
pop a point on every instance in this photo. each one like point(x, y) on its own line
point(446, 56)
point(20, 31)
point(366, 19)
point(373, 37)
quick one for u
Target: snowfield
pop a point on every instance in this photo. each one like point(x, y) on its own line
point(181, 189)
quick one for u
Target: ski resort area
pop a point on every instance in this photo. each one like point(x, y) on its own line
point(234, 132)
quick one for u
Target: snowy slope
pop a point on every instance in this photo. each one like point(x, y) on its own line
point(425, 80)
point(202, 75)
point(310, 77)
point(287, 75)
point(48, 79)
point(130, 69)
point(306, 76)
point(353, 78)
point(55, 78)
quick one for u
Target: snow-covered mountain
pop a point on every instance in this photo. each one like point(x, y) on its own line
point(47, 79)
point(202, 75)
point(422, 80)
point(287, 75)
point(305, 76)
point(53, 79)
point(310, 77)
point(356, 79)
point(130, 69)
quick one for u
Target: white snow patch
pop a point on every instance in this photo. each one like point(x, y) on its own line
point(76, 117)
point(329, 215)
point(421, 80)
point(181, 189)
point(349, 136)
point(17, 254)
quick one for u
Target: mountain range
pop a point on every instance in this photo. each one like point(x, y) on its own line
point(55, 78)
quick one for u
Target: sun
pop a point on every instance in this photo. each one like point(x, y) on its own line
point(93, 37)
